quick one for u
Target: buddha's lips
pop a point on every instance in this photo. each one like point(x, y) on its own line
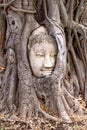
point(46, 72)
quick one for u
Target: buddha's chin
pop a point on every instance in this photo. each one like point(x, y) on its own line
point(46, 74)
point(43, 74)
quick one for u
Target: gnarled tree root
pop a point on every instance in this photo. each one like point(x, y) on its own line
point(46, 115)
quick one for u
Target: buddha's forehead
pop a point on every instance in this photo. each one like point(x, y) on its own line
point(44, 46)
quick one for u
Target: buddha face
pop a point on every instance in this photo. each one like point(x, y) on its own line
point(42, 57)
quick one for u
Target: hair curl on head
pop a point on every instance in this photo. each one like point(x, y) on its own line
point(40, 35)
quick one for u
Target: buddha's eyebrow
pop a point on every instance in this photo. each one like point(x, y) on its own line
point(38, 50)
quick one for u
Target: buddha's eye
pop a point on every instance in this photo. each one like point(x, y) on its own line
point(39, 54)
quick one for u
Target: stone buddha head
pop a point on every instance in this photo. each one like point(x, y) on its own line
point(42, 52)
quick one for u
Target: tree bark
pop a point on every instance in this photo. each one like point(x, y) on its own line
point(20, 90)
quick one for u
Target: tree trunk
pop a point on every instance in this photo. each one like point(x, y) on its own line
point(20, 90)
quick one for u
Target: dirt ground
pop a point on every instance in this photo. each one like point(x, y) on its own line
point(40, 124)
point(79, 122)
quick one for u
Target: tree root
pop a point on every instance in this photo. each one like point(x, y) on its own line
point(23, 10)
point(46, 115)
point(9, 82)
point(61, 109)
point(33, 109)
point(73, 103)
point(7, 4)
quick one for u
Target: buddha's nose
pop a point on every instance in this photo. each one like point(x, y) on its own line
point(47, 62)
